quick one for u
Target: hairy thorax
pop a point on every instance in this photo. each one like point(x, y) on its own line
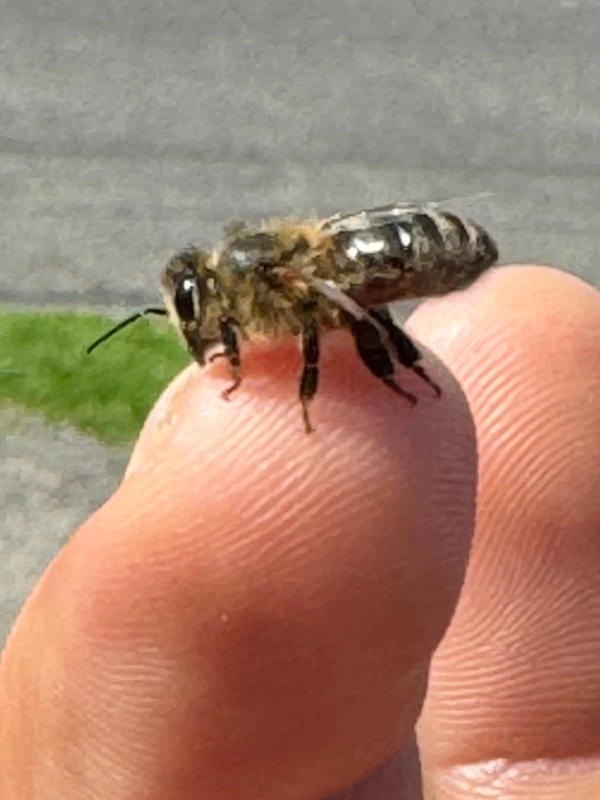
point(263, 277)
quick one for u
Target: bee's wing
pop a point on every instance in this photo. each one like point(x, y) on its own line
point(335, 295)
point(367, 218)
point(332, 292)
point(384, 215)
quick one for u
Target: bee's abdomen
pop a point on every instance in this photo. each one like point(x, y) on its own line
point(415, 253)
point(461, 240)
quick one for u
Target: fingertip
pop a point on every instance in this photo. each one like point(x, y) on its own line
point(255, 595)
point(516, 674)
point(370, 450)
point(510, 297)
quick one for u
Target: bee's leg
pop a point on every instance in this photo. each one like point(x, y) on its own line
point(406, 351)
point(309, 380)
point(374, 352)
point(231, 351)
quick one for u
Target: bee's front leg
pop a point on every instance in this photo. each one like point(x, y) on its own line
point(231, 351)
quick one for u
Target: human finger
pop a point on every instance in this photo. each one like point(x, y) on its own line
point(513, 708)
point(253, 612)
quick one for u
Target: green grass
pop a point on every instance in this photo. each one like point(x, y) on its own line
point(44, 369)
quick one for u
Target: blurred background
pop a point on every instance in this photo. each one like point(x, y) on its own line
point(128, 129)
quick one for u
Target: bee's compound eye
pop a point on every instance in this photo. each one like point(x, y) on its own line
point(187, 299)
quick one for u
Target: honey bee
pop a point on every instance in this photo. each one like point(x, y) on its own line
point(284, 277)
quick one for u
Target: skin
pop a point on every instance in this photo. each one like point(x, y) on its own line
point(254, 613)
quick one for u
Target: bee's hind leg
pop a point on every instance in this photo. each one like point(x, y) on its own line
point(309, 379)
point(405, 349)
point(374, 352)
point(231, 351)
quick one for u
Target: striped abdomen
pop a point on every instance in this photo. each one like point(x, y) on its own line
point(410, 251)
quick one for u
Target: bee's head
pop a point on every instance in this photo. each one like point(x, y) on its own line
point(191, 296)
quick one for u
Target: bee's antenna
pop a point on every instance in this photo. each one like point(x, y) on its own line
point(161, 312)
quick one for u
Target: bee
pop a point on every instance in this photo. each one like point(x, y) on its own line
point(284, 277)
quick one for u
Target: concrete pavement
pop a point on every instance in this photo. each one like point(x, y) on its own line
point(128, 129)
